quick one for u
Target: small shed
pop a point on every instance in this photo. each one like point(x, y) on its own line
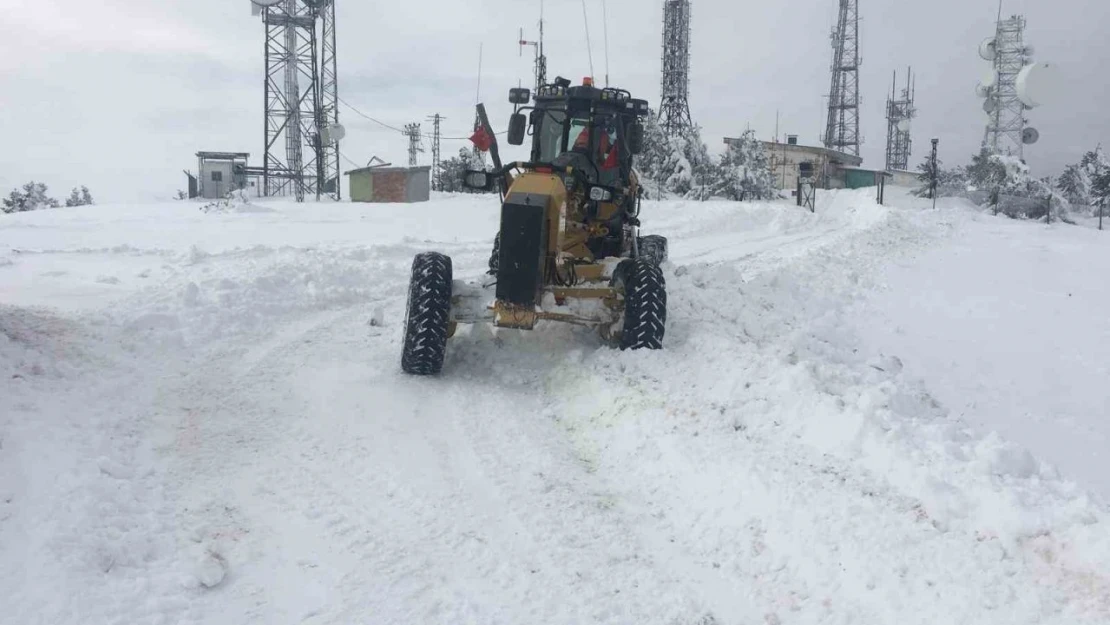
point(391, 184)
point(220, 173)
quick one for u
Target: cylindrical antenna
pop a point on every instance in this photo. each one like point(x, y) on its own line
point(605, 25)
point(478, 93)
point(589, 47)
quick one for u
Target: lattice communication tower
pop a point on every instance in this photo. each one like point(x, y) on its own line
point(302, 129)
point(674, 108)
point(900, 113)
point(842, 127)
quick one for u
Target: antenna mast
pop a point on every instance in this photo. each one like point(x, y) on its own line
point(842, 127)
point(540, 70)
point(674, 108)
point(301, 97)
point(900, 112)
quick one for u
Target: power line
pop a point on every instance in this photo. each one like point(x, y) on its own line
point(402, 131)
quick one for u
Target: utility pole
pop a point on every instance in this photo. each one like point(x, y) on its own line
point(412, 131)
point(436, 120)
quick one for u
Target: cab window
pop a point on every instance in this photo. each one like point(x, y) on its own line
point(551, 135)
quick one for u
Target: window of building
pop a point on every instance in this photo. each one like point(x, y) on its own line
point(217, 176)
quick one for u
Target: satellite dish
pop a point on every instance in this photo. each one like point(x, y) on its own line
point(904, 125)
point(990, 105)
point(987, 49)
point(990, 79)
point(258, 5)
point(1029, 136)
point(1037, 84)
point(333, 134)
point(982, 91)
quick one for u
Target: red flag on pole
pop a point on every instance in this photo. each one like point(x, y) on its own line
point(482, 139)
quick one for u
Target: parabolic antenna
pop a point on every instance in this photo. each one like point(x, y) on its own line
point(333, 134)
point(1037, 84)
point(987, 49)
point(1029, 136)
point(981, 90)
point(989, 79)
point(258, 5)
point(990, 106)
point(904, 125)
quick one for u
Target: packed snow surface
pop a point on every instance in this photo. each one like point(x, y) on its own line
point(864, 415)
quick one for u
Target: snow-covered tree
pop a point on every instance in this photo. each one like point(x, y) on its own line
point(986, 172)
point(32, 197)
point(745, 171)
point(1017, 184)
point(950, 182)
point(1075, 185)
point(449, 178)
point(678, 165)
point(80, 197)
point(1096, 166)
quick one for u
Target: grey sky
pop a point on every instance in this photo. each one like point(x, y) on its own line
point(119, 94)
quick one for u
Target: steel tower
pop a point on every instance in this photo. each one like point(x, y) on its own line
point(842, 129)
point(1006, 112)
point(301, 99)
point(674, 108)
point(900, 112)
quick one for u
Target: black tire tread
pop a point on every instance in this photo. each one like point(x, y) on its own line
point(645, 304)
point(428, 316)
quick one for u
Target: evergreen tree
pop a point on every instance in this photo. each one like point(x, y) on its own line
point(449, 178)
point(80, 197)
point(1075, 184)
point(986, 172)
point(745, 171)
point(32, 197)
point(1097, 167)
point(950, 182)
point(678, 165)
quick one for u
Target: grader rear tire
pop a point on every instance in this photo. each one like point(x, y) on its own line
point(428, 317)
point(645, 304)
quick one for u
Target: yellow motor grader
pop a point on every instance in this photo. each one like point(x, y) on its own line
point(569, 248)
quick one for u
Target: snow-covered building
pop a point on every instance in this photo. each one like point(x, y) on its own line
point(220, 173)
point(786, 157)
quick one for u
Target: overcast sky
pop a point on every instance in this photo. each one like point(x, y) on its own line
point(120, 94)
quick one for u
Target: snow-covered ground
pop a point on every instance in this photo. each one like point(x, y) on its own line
point(202, 420)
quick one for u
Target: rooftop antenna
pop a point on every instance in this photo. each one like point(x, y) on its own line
point(589, 46)
point(605, 25)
